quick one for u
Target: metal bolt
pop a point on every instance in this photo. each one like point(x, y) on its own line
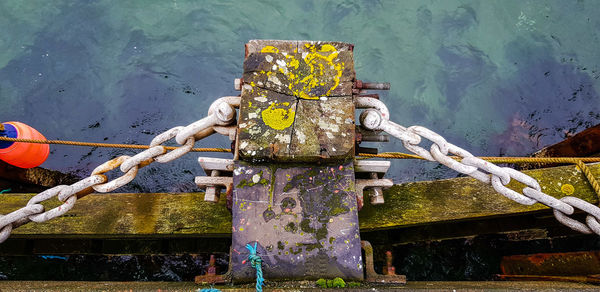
point(237, 84)
point(225, 113)
point(389, 269)
point(212, 269)
point(212, 192)
point(374, 95)
point(372, 85)
point(376, 193)
point(370, 119)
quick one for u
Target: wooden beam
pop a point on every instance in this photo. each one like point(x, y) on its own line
point(128, 215)
point(35, 176)
point(466, 199)
point(187, 215)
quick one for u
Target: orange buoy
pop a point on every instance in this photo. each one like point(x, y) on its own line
point(24, 155)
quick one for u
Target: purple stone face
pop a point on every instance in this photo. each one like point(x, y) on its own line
point(304, 219)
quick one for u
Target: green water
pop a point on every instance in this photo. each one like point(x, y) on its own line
point(494, 77)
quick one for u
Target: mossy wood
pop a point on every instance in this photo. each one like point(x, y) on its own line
point(186, 214)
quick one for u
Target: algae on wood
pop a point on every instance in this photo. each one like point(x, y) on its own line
point(418, 203)
point(126, 215)
point(466, 198)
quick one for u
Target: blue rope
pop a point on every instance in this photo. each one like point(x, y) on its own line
point(256, 263)
point(4, 191)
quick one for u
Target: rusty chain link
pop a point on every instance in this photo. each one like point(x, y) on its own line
point(374, 119)
point(221, 112)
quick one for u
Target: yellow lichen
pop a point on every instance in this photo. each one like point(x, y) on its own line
point(278, 116)
point(269, 49)
point(321, 67)
point(567, 189)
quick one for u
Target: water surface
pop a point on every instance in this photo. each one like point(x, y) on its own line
point(494, 77)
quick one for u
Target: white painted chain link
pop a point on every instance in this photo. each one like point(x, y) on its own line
point(478, 168)
point(221, 112)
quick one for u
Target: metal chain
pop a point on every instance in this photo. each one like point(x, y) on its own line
point(222, 112)
point(481, 170)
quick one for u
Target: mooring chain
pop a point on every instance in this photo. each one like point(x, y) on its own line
point(221, 113)
point(374, 119)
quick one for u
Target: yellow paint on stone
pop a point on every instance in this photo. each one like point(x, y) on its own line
point(278, 118)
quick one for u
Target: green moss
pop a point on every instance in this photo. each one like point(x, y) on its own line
point(305, 226)
point(310, 247)
point(245, 183)
point(321, 233)
point(322, 283)
point(353, 284)
point(338, 283)
point(291, 227)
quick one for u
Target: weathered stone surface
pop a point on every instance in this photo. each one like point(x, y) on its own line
point(304, 75)
point(255, 46)
point(266, 124)
point(304, 46)
point(303, 220)
point(281, 128)
point(297, 106)
point(324, 129)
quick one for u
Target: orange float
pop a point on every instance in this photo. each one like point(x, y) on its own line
point(24, 155)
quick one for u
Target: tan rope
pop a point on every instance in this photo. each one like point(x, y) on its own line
point(107, 145)
point(590, 177)
point(493, 159)
point(391, 155)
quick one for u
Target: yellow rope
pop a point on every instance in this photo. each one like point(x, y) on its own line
point(590, 177)
point(579, 161)
point(108, 145)
point(493, 159)
point(391, 155)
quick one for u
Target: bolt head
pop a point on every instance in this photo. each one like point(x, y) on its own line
point(225, 113)
point(370, 119)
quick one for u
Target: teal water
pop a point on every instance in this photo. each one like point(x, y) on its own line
point(494, 77)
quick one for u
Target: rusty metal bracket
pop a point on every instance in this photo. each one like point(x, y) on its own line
point(371, 275)
point(373, 185)
point(219, 171)
point(211, 277)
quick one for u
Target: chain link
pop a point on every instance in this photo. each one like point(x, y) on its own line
point(485, 171)
point(176, 153)
point(222, 112)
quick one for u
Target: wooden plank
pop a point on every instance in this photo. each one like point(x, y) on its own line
point(127, 215)
point(466, 198)
point(186, 214)
point(35, 176)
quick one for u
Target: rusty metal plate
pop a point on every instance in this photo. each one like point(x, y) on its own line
point(303, 219)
